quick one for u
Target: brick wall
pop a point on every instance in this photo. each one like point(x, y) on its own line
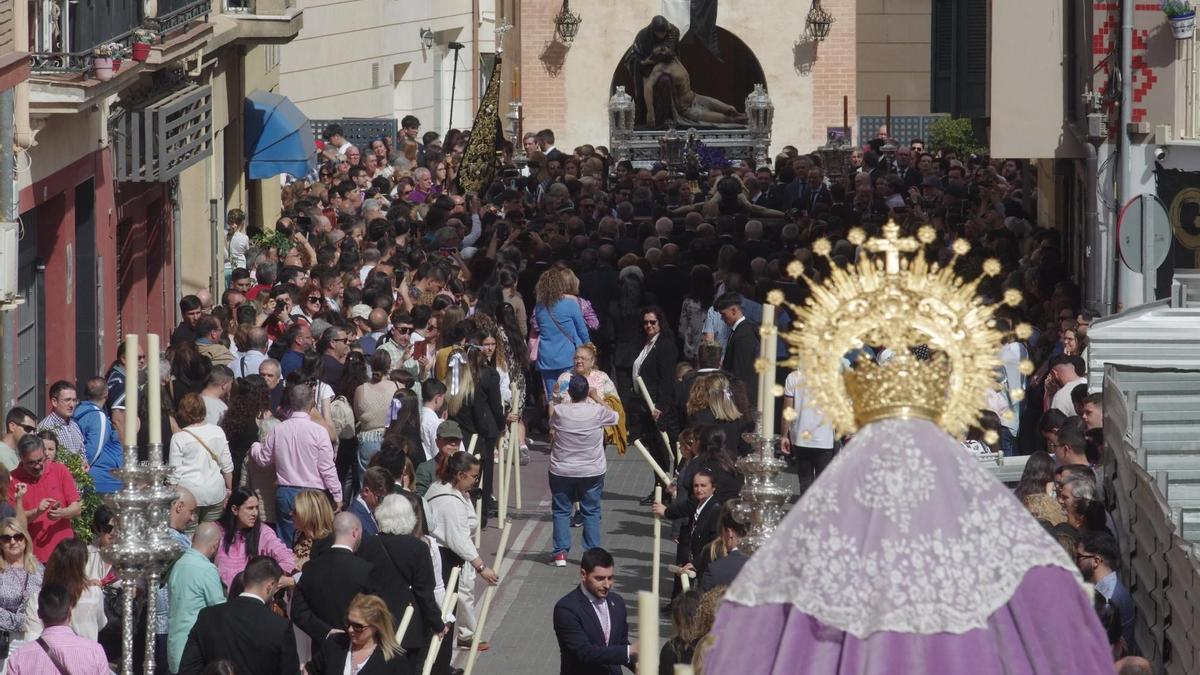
point(542, 88)
point(835, 73)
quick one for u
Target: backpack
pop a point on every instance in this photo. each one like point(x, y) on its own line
point(342, 416)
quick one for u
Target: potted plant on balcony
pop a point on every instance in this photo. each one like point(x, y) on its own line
point(142, 39)
point(103, 57)
point(1182, 16)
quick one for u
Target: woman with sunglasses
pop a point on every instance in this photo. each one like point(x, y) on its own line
point(312, 304)
point(655, 364)
point(20, 582)
point(367, 647)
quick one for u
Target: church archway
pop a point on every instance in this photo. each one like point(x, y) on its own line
point(729, 79)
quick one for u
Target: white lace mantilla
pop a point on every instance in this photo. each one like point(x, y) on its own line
point(904, 532)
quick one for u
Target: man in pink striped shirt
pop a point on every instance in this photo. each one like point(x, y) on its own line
point(58, 645)
point(303, 458)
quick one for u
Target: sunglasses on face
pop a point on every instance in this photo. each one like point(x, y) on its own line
point(354, 627)
point(9, 538)
point(403, 330)
point(29, 428)
point(314, 298)
point(649, 323)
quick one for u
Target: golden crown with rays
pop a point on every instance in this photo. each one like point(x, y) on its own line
point(893, 298)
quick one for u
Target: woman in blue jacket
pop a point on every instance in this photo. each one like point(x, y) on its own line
point(558, 321)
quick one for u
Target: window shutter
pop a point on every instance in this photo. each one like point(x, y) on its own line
point(958, 59)
point(973, 33)
point(942, 57)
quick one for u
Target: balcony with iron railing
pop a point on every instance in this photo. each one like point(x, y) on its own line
point(66, 34)
point(258, 7)
point(271, 21)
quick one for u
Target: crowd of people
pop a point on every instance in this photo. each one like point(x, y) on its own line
point(333, 416)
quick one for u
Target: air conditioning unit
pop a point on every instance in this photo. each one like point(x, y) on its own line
point(9, 252)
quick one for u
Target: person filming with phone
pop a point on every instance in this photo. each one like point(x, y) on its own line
point(50, 498)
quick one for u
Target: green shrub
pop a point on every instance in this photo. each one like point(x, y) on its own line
point(955, 133)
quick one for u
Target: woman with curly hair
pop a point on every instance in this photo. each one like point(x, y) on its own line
point(559, 325)
point(249, 406)
point(312, 304)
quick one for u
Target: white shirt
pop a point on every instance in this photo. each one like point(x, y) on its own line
point(239, 243)
point(248, 363)
point(696, 515)
point(1062, 398)
point(429, 426)
point(195, 468)
point(641, 358)
point(809, 429)
point(214, 410)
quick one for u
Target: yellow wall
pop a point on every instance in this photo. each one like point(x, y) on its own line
point(893, 56)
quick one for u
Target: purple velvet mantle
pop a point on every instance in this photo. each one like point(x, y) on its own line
point(1047, 628)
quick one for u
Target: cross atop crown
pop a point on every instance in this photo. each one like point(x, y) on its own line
point(892, 245)
point(502, 28)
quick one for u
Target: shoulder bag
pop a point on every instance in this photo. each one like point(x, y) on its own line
point(212, 455)
point(58, 664)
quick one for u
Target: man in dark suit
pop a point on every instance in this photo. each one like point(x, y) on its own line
point(591, 622)
point(545, 140)
point(742, 349)
point(722, 571)
point(330, 581)
point(244, 630)
point(669, 283)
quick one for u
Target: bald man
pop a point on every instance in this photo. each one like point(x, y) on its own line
point(1133, 665)
point(206, 300)
point(377, 320)
point(330, 581)
point(193, 584)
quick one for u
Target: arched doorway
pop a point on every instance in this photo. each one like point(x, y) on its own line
point(729, 79)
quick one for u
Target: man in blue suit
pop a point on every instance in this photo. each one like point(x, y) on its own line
point(590, 622)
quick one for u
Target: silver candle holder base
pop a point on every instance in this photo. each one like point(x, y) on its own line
point(764, 500)
point(144, 546)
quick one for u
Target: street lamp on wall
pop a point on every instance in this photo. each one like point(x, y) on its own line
point(818, 21)
point(427, 38)
point(566, 24)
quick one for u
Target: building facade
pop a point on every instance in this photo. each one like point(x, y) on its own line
point(808, 81)
point(387, 59)
point(121, 166)
point(1056, 95)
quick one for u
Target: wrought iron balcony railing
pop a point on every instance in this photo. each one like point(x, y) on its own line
point(67, 33)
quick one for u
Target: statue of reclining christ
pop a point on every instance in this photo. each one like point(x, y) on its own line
point(689, 107)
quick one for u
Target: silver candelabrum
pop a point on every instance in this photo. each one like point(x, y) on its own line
point(764, 500)
point(144, 546)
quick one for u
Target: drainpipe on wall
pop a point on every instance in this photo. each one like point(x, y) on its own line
point(8, 204)
point(1129, 282)
point(1100, 259)
point(23, 132)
